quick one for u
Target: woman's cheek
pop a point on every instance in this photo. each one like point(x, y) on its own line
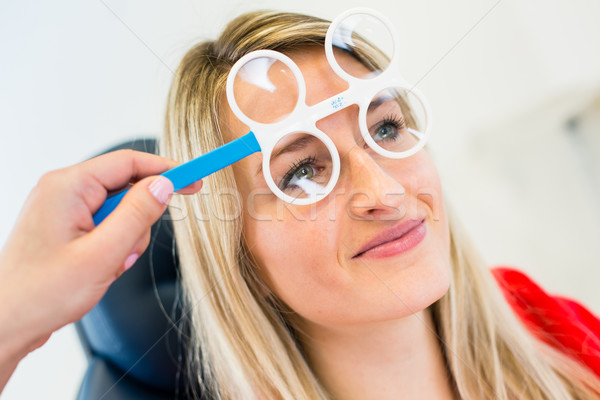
point(298, 259)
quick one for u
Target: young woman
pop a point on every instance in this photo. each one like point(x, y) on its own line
point(307, 301)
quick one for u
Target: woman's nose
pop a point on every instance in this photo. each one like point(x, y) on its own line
point(373, 192)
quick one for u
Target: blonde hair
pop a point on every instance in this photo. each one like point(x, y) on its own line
point(243, 344)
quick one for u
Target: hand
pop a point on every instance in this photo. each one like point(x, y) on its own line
point(56, 265)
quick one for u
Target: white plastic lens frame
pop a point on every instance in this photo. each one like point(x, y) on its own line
point(303, 118)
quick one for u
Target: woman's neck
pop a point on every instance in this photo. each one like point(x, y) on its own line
point(381, 360)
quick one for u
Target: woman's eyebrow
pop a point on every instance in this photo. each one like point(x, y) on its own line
point(297, 144)
point(379, 101)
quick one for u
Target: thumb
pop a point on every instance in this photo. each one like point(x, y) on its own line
point(114, 239)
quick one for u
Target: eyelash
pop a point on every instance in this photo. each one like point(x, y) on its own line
point(395, 120)
point(294, 167)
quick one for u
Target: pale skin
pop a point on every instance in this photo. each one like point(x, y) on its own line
point(55, 266)
point(369, 331)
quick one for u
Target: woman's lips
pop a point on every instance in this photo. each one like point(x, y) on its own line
point(395, 241)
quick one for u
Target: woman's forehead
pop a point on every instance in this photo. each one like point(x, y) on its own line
point(321, 81)
point(319, 77)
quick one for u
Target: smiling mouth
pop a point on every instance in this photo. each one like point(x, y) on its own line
point(394, 238)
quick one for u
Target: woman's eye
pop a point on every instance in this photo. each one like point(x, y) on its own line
point(389, 128)
point(385, 132)
point(306, 172)
point(300, 170)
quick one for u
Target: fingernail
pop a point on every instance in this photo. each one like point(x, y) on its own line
point(161, 188)
point(130, 260)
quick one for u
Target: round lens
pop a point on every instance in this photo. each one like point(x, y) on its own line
point(265, 89)
point(396, 120)
point(364, 38)
point(301, 166)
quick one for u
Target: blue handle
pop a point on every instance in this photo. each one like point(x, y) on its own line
point(194, 170)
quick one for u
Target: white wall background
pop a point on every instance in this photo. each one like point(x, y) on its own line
point(503, 77)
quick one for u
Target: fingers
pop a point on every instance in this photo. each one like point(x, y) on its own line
point(127, 226)
point(191, 189)
point(116, 169)
point(140, 246)
point(138, 249)
point(122, 233)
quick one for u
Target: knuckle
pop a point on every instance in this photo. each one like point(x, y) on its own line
point(50, 180)
point(49, 177)
point(140, 211)
point(144, 243)
point(137, 211)
point(121, 154)
point(127, 153)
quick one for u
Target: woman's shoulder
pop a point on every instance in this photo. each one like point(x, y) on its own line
point(558, 320)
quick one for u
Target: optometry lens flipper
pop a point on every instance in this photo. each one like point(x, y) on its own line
point(194, 170)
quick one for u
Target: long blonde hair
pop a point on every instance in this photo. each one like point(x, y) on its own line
point(243, 344)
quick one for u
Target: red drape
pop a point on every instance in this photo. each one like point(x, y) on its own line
point(559, 321)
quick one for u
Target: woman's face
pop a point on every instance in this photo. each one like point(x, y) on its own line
point(310, 256)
